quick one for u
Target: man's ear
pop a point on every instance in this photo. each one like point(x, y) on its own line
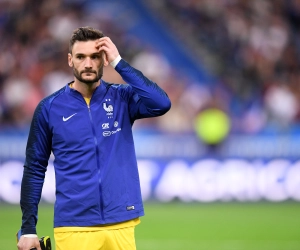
point(70, 61)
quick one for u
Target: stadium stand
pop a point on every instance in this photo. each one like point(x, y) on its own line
point(239, 56)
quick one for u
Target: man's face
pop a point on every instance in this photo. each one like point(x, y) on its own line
point(86, 61)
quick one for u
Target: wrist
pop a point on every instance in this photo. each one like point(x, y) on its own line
point(116, 61)
point(30, 235)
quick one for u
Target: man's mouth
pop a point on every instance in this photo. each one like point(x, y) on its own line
point(88, 72)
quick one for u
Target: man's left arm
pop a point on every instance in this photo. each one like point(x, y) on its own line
point(151, 100)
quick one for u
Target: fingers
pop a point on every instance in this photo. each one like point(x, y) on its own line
point(105, 39)
point(28, 243)
point(105, 44)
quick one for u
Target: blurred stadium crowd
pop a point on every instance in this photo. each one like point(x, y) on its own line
point(252, 47)
point(34, 46)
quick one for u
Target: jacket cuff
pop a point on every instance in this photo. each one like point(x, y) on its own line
point(28, 231)
point(116, 61)
point(30, 235)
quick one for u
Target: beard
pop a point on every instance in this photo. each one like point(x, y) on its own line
point(98, 75)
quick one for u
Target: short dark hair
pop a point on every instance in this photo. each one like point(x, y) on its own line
point(83, 34)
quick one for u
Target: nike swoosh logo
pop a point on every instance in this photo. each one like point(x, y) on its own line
point(67, 118)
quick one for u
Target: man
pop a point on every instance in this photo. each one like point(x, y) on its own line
point(88, 127)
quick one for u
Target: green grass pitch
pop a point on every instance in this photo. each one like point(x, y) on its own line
point(192, 226)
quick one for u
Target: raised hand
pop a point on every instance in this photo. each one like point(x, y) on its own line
point(106, 45)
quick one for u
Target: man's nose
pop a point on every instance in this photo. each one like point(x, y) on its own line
point(88, 62)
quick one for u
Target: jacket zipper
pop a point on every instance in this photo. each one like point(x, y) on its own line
point(97, 160)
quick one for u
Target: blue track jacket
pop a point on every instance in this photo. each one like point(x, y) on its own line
point(97, 179)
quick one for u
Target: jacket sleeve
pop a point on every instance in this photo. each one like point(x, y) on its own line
point(37, 155)
point(148, 99)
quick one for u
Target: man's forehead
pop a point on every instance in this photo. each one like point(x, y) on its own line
point(84, 47)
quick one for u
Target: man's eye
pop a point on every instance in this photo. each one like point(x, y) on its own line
point(79, 57)
point(95, 57)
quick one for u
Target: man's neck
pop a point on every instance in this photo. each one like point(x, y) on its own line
point(86, 90)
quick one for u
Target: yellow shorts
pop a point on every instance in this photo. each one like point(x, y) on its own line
point(112, 237)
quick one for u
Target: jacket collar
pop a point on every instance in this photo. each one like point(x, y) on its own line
point(99, 92)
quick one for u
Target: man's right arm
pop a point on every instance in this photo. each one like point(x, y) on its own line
point(37, 155)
